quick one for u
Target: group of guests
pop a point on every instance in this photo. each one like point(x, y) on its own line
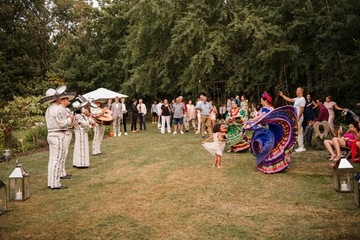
point(304, 110)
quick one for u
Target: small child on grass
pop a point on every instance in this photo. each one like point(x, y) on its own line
point(216, 148)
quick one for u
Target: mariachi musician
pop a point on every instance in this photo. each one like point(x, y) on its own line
point(99, 129)
point(57, 122)
point(83, 123)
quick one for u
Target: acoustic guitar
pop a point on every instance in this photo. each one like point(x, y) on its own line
point(105, 118)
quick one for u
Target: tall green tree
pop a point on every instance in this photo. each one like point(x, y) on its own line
point(25, 50)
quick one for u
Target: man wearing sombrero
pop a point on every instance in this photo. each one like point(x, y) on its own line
point(99, 129)
point(57, 123)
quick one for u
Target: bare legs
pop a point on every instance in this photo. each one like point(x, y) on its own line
point(217, 161)
point(336, 143)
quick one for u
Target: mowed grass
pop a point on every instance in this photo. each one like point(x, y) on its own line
point(152, 186)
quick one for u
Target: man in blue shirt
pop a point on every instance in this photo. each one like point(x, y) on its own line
point(205, 109)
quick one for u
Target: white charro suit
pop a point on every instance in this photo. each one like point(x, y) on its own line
point(57, 123)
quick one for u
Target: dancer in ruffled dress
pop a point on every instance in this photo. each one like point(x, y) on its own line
point(216, 148)
point(235, 121)
point(273, 139)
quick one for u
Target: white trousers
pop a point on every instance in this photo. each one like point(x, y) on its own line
point(186, 124)
point(117, 125)
point(67, 141)
point(81, 156)
point(198, 115)
point(165, 119)
point(56, 157)
point(300, 137)
point(98, 137)
point(192, 122)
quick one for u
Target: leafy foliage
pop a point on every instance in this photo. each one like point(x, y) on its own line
point(163, 48)
point(25, 50)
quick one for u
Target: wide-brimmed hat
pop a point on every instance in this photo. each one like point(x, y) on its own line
point(81, 98)
point(77, 105)
point(88, 102)
point(93, 102)
point(70, 95)
point(52, 94)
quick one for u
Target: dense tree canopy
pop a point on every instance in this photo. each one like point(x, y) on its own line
point(163, 48)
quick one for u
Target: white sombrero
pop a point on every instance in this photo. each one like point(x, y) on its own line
point(70, 95)
point(77, 105)
point(52, 94)
point(83, 100)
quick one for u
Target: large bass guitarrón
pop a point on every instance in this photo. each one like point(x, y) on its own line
point(105, 118)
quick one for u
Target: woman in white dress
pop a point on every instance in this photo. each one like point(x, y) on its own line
point(82, 124)
point(245, 106)
point(190, 114)
point(216, 148)
point(213, 114)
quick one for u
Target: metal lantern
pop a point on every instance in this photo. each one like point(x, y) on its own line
point(19, 185)
point(343, 176)
point(3, 199)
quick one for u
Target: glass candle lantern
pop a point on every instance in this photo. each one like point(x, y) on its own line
point(343, 176)
point(19, 184)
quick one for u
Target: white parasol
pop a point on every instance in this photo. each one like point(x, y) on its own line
point(102, 94)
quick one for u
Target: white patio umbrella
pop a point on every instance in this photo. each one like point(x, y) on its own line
point(103, 94)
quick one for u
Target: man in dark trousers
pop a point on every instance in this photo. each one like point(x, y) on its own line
point(134, 115)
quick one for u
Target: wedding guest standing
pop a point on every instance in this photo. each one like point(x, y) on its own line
point(213, 114)
point(205, 109)
point(178, 108)
point(165, 116)
point(134, 115)
point(190, 115)
point(125, 114)
point(117, 113)
point(141, 114)
point(245, 106)
point(154, 113)
point(222, 112)
point(108, 105)
point(330, 105)
point(158, 109)
point(299, 104)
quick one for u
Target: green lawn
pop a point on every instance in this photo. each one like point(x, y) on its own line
point(153, 186)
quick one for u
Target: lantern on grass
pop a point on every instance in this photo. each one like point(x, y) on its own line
point(343, 176)
point(3, 199)
point(19, 185)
